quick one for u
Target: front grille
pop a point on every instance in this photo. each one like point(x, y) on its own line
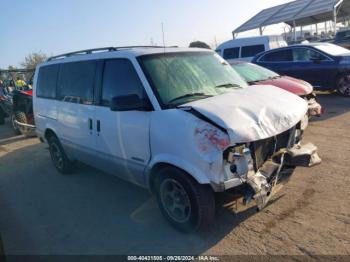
point(265, 148)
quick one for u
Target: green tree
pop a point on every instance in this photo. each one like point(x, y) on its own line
point(199, 44)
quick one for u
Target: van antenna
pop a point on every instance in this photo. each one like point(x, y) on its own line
point(163, 37)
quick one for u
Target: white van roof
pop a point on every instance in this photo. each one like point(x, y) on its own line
point(115, 52)
point(248, 41)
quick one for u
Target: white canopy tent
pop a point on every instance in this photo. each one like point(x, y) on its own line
point(299, 13)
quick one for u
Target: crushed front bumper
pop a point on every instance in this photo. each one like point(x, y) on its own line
point(262, 182)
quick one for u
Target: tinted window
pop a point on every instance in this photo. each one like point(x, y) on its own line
point(77, 82)
point(231, 53)
point(307, 55)
point(278, 56)
point(47, 80)
point(120, 79)
point(249, 51)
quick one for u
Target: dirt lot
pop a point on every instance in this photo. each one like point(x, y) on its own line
point(43, 212)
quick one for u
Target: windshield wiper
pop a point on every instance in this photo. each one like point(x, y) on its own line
point(274, 77)
point(189, 95)
point(228, 85)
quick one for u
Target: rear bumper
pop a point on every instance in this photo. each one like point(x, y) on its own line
point(27, 129)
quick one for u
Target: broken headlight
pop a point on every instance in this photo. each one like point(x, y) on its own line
point(240, 160)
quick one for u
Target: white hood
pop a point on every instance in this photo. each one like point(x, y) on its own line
point(253, 113)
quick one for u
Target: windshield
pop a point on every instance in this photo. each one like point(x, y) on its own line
point(254, 73)
point(333, 50)
point(178, 78)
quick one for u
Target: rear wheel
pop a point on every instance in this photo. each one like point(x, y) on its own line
point(343, 85)
point(187, 205)
point(59, 157)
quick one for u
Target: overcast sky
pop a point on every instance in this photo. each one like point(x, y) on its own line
point(58, 26)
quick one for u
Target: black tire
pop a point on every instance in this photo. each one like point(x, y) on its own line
point(15, 127)
point(343, 85)
point(2, 117)
point(59, 157)
point(199, 208)
point(21, 117)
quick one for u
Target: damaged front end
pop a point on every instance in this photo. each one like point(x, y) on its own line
point(258, 164)
point(314, 107)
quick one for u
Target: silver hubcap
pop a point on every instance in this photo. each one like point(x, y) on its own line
point(175, 200)
point(56, 156)
point(344, 86)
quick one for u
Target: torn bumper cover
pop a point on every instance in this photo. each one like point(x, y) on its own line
point(314, 108)
point(262, 182)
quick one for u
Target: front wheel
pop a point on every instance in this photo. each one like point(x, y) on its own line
point(343, 85)
point(59, 157)
point(187, 205)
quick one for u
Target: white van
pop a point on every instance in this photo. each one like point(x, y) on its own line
point(180, 122)
point(245, 49)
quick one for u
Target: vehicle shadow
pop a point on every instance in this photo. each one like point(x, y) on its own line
point(7, 134)
point(334, 105)
point(92, 213)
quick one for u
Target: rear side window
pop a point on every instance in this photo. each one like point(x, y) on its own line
point(120, 79)
point(252, 50)
point(278, 56)
point(47, 80)
point(231, 53)
point(76, 82)
point(307, 55)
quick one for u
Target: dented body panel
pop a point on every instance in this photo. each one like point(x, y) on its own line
point(252, 113)
point(186, 140)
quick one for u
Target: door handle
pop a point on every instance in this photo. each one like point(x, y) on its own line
point(98, 126)
point(90, 124)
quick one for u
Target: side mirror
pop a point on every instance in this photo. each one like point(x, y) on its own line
point(130, 103)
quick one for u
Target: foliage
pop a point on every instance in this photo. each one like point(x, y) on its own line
point(31, 60)
point(199, 44)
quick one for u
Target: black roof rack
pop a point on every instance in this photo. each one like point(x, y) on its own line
point(103, 49)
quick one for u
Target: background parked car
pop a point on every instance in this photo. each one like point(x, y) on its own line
point(246, 48)
point(257, 75)
point(325, 66)
point(342, 38)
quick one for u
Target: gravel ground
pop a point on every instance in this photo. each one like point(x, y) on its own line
point(43, 212)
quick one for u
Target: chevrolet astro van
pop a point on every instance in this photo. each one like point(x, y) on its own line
point(178, 121)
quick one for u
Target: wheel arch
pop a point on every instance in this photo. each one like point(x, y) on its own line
point(160, 163)
point(49, 132)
